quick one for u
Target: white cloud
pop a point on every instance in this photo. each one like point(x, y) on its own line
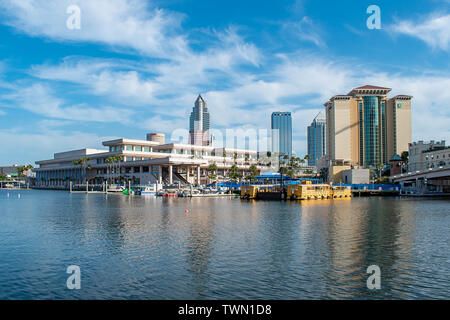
point(125, 24)
point(38, 99)
point(306, 30)
point(434, 30)
point(41, 145)
point(242, 86)
point(298, 83)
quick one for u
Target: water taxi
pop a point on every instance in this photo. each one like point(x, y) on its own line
point(308, 191)
point(259, 190)
point(341, 192)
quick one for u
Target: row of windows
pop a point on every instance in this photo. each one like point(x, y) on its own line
point(437, 156)
point(130, 148)
point(437, 164)
point(176, 151)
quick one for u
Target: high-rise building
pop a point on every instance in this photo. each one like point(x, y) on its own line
point(282, 133)
point(366, 127)
point(316, 139)
point(199, 124)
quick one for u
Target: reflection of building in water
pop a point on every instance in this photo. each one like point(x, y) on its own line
point(348, 236)
point(200, 246)
point(334, 233)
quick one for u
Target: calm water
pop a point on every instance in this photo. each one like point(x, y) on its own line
point(148, 248)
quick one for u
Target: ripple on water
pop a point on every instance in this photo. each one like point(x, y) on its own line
point(136, 248)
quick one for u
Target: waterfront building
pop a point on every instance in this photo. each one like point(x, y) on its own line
point(316, 139)
point(367, 128)
point(423, 155)
point(142, 162)
point(199, 124)
point(396, 165)
point(356, 176)
point(9, 171)
point(281, 124)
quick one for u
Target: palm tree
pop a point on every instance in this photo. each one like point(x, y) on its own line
point(114, 162)
point(234, 173)
point(212, 171)
point(82, 163)
point(253, 172)
point(307, 157)
point(109, 162)
point(22, 169)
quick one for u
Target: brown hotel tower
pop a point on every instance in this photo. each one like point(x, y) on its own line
point(367, 128)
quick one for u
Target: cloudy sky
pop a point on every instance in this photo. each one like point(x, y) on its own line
point(136, 66)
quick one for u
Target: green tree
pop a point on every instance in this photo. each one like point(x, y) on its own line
point(289, 165)
point(82, 163)
point(234, 173)
point(22, 169)
point(405, 156)
point(212, 171)
point(254, 172)
point(380, 167)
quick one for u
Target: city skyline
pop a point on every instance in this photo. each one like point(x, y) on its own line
point(63, 89)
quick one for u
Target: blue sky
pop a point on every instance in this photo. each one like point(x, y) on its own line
point(136, 66)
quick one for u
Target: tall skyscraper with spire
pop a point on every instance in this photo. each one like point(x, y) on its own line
point(199, 124)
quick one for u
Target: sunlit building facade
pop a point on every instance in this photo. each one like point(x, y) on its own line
point(366, 127)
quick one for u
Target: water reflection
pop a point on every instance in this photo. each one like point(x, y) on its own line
point(149, 248)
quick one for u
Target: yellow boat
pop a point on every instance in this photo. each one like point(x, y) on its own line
point(341, 192)
point(308, 191)
point(304, 191)
point(249, 192)
point(252, 191)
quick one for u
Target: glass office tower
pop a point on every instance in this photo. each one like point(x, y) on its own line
point(316, 139)
point(282, 133)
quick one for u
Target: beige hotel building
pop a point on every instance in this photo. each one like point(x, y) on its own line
point(367, 128)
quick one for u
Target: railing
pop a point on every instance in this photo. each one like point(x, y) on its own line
point(14, 185)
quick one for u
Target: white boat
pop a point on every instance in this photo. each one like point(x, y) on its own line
point(148, 190)
point(115, 188)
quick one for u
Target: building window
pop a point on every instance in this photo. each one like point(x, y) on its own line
point(146, 149)
point(138, 148)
